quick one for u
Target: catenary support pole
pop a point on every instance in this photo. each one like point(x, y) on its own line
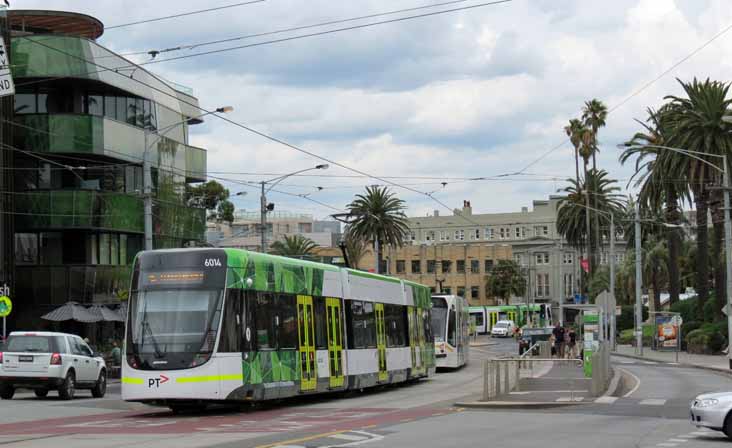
point(728, 254)
point(611, 304)
point(638, 282)
point(263, 220)
point(147, 192)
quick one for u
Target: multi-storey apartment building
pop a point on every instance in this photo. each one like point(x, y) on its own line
point(84, 119)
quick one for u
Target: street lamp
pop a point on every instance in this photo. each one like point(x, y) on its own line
point(146, 168)
point(264, 207)
point(727, 222)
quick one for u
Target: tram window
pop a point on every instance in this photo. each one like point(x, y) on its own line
point(395, 331)
point(287, 334)
point(231, 330)
point(369, 325)
point(426, 322)
point(248, 328)
point(357, 328)
point(451, 330)
point(321, 322)
point(264, 324)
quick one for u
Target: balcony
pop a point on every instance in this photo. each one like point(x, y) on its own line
point(95, 135)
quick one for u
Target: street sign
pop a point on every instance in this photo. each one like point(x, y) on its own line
point(6, 306)
point(618, 311)
point(6, 78)
point(677, 320)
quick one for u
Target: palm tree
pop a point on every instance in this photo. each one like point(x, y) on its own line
point(575, 131)
point(594, 115)
point(505, 280)
point(659, 185)
point(698, 126)
point(355, 248)
point(293, 246)
point(378, 216)
point(655, 270)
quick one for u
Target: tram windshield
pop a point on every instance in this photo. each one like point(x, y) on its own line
point(439, 318)
point(173, 328)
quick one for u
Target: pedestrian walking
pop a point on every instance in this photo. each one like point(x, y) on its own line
point(559, 333)
point(572, 344)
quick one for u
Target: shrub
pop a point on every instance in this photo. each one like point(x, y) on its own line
point(716, 342)
point(710, 311)
point(687, 308)
point(626, 337)
point(707, 340)
point(626, 319)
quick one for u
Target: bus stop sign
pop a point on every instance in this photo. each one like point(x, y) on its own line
point(6, 306)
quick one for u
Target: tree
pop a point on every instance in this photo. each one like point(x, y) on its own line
point(378, 216)
point(653, 169)
point(293, 246)
point(576, 131)
point(225, 211)
point(594, 115)
point(655, 272)
point(206, 195)
point(355, 248)
point(697, 125)
point(505, 280)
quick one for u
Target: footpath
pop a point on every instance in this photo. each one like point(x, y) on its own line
point(719, 363)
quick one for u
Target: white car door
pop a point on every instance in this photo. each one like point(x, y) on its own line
point(80, 358)
point(90, 364)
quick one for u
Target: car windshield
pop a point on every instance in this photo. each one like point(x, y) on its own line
point(172, 326)
point(32, 344)
point(501, 325)
point(439, 318)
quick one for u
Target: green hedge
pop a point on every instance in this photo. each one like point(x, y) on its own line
point(705, 340)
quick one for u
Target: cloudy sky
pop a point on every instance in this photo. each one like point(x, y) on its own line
point(475, 93)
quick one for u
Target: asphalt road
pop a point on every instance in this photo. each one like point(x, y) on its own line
point(418, 415)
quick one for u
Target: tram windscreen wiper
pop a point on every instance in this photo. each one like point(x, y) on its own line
point(156, 347)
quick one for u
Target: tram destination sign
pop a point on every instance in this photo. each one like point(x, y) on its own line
point(7, 87)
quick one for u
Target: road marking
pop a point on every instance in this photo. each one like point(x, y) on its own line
point(606, 400)
point(637, 383)
point(702, 433)
point(566, 399)
point(347, 437)
point(666, 444)
point(369, 438)
point(519, 393)
point(302, 439)
point(626, 361)
point(677, 440)
point(653, 402)
point(650, 363)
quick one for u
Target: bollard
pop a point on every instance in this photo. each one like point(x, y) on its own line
point(487, 377)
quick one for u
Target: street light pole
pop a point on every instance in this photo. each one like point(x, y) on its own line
point(638, 280)
point(611, 305)
point(728, 254)
point(263, 220)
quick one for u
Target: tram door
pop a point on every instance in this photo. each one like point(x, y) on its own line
point(493, 319)
point(412, 336)
point(381, 341)
point(335, 341)
point(512, 317)
point(306, 338)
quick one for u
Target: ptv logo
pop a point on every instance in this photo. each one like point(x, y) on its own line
point(162, 379)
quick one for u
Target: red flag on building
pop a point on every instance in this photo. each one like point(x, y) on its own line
point(585, 263)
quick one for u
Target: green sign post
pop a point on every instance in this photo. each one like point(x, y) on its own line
point(591, 333)
point(6, 306)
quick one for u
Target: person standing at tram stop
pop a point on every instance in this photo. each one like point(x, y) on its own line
point(571, 343)
point(558, 334)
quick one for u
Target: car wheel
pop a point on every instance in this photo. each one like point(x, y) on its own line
point(7, 392)
point(101, 387)
point(727, 429)
point(41, 393)
point(68, 387)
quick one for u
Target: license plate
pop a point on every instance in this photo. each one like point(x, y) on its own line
point(25, 358)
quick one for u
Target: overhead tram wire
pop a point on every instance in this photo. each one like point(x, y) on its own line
point(286, 30)
point(258, 44)
point(260, 133)
point(190, 13)
point(639, 91)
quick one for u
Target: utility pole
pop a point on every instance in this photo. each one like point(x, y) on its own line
point(611, 304)
point(147, 193)
point(7, 231)
point(638, 281)
point(263, 220)
point(728, 254)
point(376, 254)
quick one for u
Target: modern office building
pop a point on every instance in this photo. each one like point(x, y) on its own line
point(84, 119)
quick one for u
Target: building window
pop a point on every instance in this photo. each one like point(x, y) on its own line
point(568, 286)
point(542, 285)
point(518, 259)
point(431, 266)
point(459, 235)
point(444, 235)
point(568, 258)
point(505, 233)
point(26, 248)
point(474, 292)
point(416, 267)
point(488, 233)
point(619, 258)
point(603, 257)
point(446, 266)
point(461, 291)
point(461, 266)
point(541, 230)
point(542, 258)
point(400, 266)
point(519, 232)
point(430, 236)
point(476, 234)
point(447, 290)
point(488, 265)
point(412, 236)
point(475, 266)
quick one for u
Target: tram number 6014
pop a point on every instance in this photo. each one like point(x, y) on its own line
point(211, 262)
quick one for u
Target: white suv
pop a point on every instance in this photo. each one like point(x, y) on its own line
point(43, 361)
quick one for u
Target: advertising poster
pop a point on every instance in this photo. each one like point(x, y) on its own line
point(667, 332)
point(590, 336)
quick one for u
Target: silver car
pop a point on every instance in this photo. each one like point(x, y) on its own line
point(713, 411)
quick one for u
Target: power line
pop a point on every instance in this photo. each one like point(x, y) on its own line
point(201, 11)
point(285, 30)
point(260, 133)
point(639, 91)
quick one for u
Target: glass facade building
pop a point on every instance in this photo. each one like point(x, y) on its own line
point(83, 120)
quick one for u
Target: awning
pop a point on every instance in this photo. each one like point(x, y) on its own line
point(106, 314)
point(71, 311)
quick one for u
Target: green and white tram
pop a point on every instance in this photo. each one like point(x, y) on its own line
point(486, 316)
point(208, 325)
point(450, 325)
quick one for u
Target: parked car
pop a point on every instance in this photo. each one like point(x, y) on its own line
point(713, 411)
point(503, 328)
point(45, 361)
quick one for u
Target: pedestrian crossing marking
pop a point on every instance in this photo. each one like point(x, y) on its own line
point(348, 437)
point(677, 440)
point(653, 402)
point(567, 399)
point(666, 444)
point(606, 400)
point(650, 362)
